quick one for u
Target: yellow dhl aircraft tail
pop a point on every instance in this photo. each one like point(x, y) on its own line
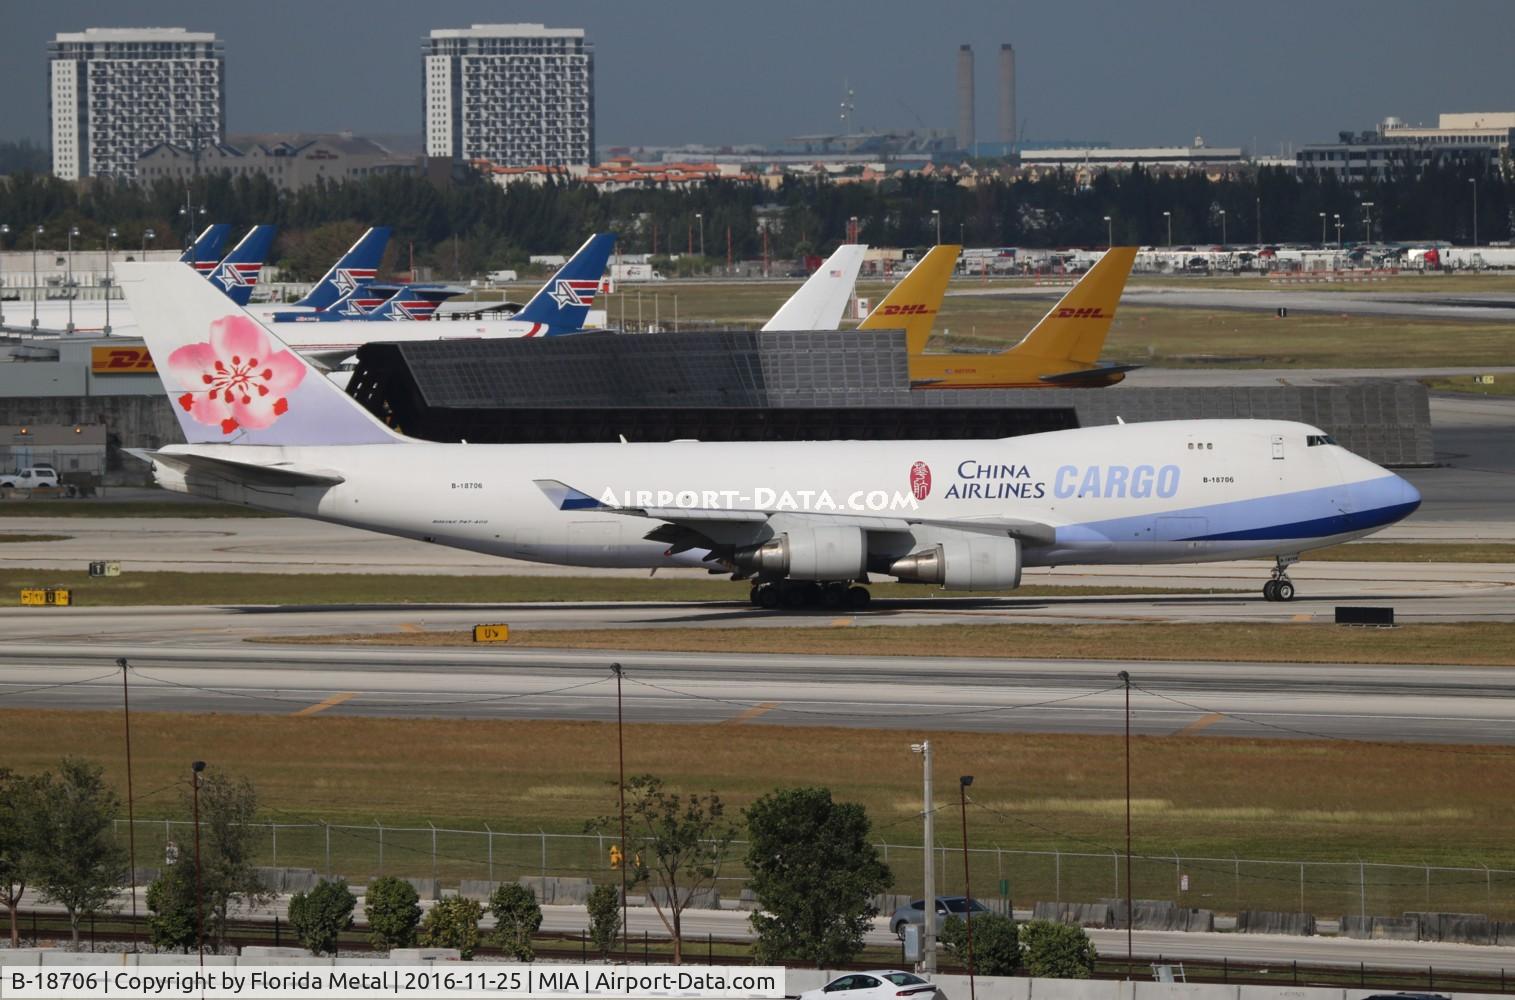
point(912, 304)
point(1061, 350)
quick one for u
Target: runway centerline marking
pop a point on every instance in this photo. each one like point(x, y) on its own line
point(322, 706)
point(754, 712)
point(1200, 724)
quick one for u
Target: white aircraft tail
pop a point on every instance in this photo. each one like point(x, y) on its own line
point(231, 380)
point(822, 299)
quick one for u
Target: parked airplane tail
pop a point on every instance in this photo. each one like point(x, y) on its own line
point(1074, 330)
point(205, 252)
point(237, 274)
point(408, 303)
point(358, 266)
point(230, 380)
point(562, 305)
point(912, 304)
point(821, 300)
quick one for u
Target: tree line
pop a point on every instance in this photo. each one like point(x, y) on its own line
point(813, 872)
point(471, 225)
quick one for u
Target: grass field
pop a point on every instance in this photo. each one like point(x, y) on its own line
point(1154, 336)
point(176, 588)
point(1417, 552)
point(1209, 797)
point(1462, 643)
point(125, 508)
point(6, 536)
point(1501, 386)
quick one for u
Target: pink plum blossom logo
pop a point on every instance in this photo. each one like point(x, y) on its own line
point(239, 379)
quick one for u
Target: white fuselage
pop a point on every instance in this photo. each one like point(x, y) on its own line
point(1181, 491)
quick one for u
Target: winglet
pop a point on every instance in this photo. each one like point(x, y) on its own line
point(912, 305)
point(565, 497)
point(563, 303)
point(821, 300)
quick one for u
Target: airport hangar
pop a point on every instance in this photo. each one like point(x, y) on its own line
point(703, 385)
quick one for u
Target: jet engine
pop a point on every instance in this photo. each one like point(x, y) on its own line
point(983, 562)
point(810, 553)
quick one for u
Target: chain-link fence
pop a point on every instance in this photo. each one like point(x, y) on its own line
point(1326, 888)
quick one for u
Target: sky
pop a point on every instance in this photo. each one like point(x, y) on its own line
point(1151, 72)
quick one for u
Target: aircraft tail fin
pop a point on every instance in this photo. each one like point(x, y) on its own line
point(229, 379)
point(205, 252)
point(238, 272)
point(912, 304)
point(1074, 330)
point(406, 304)
point(821, 300)
point(357, 267)
point(563, 303)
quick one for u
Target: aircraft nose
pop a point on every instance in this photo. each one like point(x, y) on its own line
point(1409, 496)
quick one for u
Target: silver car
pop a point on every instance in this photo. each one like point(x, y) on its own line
point(946, 906)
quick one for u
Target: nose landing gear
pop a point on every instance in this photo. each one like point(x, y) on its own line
point(1280, 587)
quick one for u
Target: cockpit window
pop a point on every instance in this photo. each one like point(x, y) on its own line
point(1311, 440)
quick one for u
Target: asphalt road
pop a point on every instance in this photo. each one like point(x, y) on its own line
point(1370, 703)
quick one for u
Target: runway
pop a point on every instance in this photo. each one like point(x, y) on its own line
point(1321, 701)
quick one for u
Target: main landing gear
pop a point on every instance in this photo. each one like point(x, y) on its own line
point(806, 594)
point(1280, 588)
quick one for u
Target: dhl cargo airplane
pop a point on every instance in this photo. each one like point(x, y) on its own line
point(803, 521)
point(1061, 350)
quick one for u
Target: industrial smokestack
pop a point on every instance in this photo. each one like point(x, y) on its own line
point(1007, 96)
point(965, 97)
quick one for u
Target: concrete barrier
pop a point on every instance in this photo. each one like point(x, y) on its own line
point(1455, 928)
point(1504, 932)
point(701, 899)
point(477, 888)
point(426, 955)
point(287, 880)
point(268, 951)
point(551, 889)
point(1274, 922)
point(748, 901)
point(1078, 914)
point(426, 888)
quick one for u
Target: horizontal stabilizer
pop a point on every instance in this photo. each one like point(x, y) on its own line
point(252, 473)
point(1088, 374)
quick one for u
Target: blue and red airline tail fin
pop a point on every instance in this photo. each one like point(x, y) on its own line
point(357, 267)
point(407, 304)
point(205, 252)
point(238, 273)
point(562, 305)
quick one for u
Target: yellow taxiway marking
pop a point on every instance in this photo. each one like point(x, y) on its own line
point(410, 627)
point(1303, 616)
point(755, 711)
point(838, 622)
point(322, 706)
point(1202, 723)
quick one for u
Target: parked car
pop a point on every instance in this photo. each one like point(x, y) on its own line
point(876, 984)
point(30, 478)
point(914, 912)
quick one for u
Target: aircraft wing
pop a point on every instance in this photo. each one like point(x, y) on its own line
point(277, 474)
point(717, 528)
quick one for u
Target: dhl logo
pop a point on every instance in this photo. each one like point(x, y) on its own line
point(1088, 312)
point(120, 361)
point(911, 310)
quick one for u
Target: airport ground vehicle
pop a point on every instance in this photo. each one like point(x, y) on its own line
point(32, 477)
point(914, 912)
point(795, 519)
point(875, 984)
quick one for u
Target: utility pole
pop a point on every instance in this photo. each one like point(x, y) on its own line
point(131, 811)
point(626, 856)
point(1125, 679)
point(928, 903)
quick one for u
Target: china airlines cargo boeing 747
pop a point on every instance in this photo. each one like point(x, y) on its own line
point(803, 521)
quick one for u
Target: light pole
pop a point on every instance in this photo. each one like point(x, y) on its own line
point(1474, 181)
point(194, 778)
point(35, 233)
point(188, 211)
point(699, 217)
point(620, 741)
point(147, 234)
point(110, 235)
point(131, 815)
point(1125, 679)
point(1337, 217)
point(72, 232)
point(928, 902)
point(1223, 227)
point(1109, 233)
point(1259, 221)
point(4, 232)
point(936, 214)
point(1169, 217)
point(1322, 230)
point(1367, 222)
point(962, 798)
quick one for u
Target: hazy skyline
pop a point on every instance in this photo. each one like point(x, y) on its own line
point(1157, 73)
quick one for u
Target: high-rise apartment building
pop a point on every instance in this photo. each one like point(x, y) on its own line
point(513, 94)
point(116, 92)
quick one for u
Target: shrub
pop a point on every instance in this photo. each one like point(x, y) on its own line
point(1057, 951)
point(393, 910)
point(319, 916)
point(517, 915)
point(453, 923)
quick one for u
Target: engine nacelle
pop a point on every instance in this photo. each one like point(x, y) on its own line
point(968, 563)
point(820, 553)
